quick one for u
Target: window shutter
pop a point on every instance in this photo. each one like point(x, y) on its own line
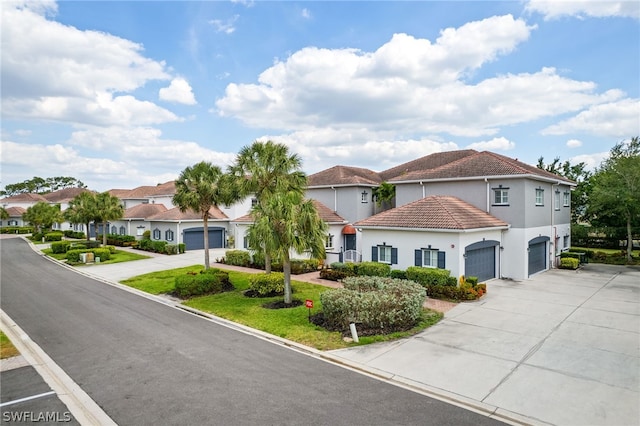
point(418, 258)
point(441, 259)
point(374, 254)
point(394, 255)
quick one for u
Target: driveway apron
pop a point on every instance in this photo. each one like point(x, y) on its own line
point(560, 348)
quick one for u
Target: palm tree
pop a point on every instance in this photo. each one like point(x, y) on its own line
point(199, 188)
point(265, 169)
point(4, 214)
point(81, 210)
point(285, 222)
point(106, 207)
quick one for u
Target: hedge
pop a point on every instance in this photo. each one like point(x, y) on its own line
point(16, 230)
point(431, 276)
point(53, 236)
point(74, 234)
point(208, 281)
point(374, 303)
point(237, 258)
point(267, 284)
point(73, 255)
point(59, 247)
point(569, 263)
point(373, 269)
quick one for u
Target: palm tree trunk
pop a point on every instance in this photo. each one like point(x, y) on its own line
point(629, 240)
point(104, 233)
point(286, 268)
point(267, 262)
point(205, 221)
point(88, 230)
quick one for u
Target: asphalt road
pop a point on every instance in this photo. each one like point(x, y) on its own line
point(147, 363)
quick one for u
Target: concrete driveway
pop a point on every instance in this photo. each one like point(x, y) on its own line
point(560, 348)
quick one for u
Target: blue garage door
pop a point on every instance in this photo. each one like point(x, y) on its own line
point(538, 255)
point(194, 238)
point(480, 260)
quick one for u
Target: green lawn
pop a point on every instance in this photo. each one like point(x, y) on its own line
point(117, 257)
point(7, 350)
point(292, 324)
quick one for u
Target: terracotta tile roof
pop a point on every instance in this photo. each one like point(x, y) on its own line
point(66, 194)
point(141, 192)
point(176, 214)
point(24, 198)
point(425, 163)
point(434, 212)
point(480, 164)
point(120, 193)
point(143, 211)
point(325, 213)
point(16, 211)
point(344, 175)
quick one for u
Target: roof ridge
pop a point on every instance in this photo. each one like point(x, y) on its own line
point(438, 199)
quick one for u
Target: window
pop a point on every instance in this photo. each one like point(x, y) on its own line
point(140, 231)
point(245, 242)
point(168, 235)
point(501, 196)
point(384, 254)
point(254, 202)
point(12, 223)
point(566, 199)
point(364, 197)
point(539, 197)
point(557, 200)
point(430, 258)
point(566, 241)
point(123, 230)
point(328, 243)
point(114, 230)
point(157, 234)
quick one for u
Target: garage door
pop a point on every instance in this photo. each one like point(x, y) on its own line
point(194, 238)
point(537, 255)
point(480, 260)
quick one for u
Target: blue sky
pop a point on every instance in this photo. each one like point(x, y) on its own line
point(122, 94)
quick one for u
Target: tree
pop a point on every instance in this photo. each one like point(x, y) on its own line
point(81, 210)
point(42, 215)
point(581, 176)
point(106, 207)
point(198, 189)
point(384, 195)
point(615, 196)
point(285, 222)
point(4, 214)
point(38, 185)
point(265, 169)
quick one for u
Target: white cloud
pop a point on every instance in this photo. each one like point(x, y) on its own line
point(178, 91)
point(226, 27)
point(611, 119)
point(553, 9)
point(574, 143)
point(53, 71)
point(306, 13)
point(591, 161)
point(495, 144)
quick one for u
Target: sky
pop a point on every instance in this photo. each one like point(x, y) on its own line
point(128, 93)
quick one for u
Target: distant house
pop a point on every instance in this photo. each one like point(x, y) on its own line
point(15, 217)
point(175, 227)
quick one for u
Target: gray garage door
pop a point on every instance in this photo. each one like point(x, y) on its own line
point(194, 238)
point(538, 255)
point(480, 260)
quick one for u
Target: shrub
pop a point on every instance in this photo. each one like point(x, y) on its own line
point(569, 263)
point(472, 280)
point(102, 253)
point(302, 266)
point(431, 276)
point(120, 240)
point(74, 234)
point(73, 256)
point(146, 235)
point(373, 269)
point(375, 303)
point(16, 230)
point(267, 284)
point(181, 248)
point(237, 257)
point(399, 274)
point(196, 285)
point(37, 236)
point(59, 247)
point(171, 249)
point(333, 274)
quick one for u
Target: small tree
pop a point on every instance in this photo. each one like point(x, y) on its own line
point(616, 190)
point(106, 208)
point(4, 214)
point(42, 215)
point(81, 210)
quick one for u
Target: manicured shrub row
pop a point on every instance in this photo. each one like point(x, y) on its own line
point(381, 305)
point(466, 291)
point(16, 230)
point(59, 247)
point(431, 276)
point(207, 281)
point(74, 234)
point(161, 247)
point(53, 236)
point(73, 256)
point(267, 284)
point(237, 258)
point(569, 263)
point(119, 240)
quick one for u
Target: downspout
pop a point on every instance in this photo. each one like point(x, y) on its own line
point(178, 236)
point(553, 227)
point(423, 190)
point(488, 194)
point(335, 199)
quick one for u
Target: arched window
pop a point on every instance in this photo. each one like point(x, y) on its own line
point(123, 230)
point(168, 235)
point(157, 234)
